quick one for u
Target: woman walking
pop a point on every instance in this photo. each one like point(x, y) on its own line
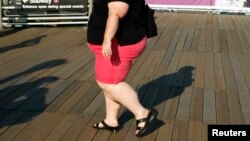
point(116, 35)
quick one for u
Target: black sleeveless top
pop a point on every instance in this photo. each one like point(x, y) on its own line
point(131, 28)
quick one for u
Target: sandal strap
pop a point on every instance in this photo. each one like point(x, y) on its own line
point(138, 128)
point(141, 120)
point(104, 124)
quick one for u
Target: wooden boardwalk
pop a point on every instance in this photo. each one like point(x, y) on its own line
point(195, 73)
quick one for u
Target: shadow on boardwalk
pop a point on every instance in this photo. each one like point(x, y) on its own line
point(23, 44)
point(23, 100)
point(160, 90)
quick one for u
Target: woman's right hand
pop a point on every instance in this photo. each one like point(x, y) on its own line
point(107, 49)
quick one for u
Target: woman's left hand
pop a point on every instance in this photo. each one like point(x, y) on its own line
point(106, 49)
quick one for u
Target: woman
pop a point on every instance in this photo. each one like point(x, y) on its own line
point(116, 34)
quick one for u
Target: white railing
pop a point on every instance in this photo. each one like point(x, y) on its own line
point(210, 9)
point(1, 14)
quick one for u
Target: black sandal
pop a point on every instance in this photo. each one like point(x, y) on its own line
point(106, 127)
point(148, 121)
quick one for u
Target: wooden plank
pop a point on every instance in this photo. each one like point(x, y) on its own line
point(4, 113)
point(196, 111)
point(230, 42)
point(196, 38)
point(172, 104)
point(161, 100)
point(142, 70)
point(47, 127)
point(209, 107)
point(160, 40)
point(245, 68)
point(209, 40)
point(209, 71)
point(200, 71)
point(181, 70)
point(38, 68)
point(244, 43)
point(61, 128)
point(83, 73)
point(205, 132)
point(17, 126)
point(166, 131)
point(219, 79)
point(172, 68)
point(190, 70)
point(150, 73)
point(37, 94)
point(121, 135)
point(202, 40)
point(10, 95)
point(183, 36)
point(216, 42)
point(67, 55)
point(184, 105)
point(239, 75)
point(89, 132)
point(136, 65)
point(220, 22)
point(102, 135)
point(168, 40)
point(189, 38)
point(180, 131)
point(195, 131)
point(54, 102)
point(9, 120)
point(75, 130)
point(225, 22)
point(174, 41)
point(237, 42)
point(85, 101)
point(29, 62)
point(232, 94)
point(32, 126)
point(74, 99)
point(222, 107)
point(223, 41)
point(215, 23)
point(228, 72)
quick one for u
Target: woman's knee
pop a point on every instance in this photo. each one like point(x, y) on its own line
point(106, 87)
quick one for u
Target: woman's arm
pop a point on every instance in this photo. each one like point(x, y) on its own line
point(117, 10)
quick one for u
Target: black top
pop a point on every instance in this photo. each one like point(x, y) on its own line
point(131, 28)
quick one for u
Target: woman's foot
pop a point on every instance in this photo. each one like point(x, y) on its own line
point(143, 124)
point(103, 125)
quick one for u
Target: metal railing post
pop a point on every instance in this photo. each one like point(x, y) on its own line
point(1, 14)
point(90, 7)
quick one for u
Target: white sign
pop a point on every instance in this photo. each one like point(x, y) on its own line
point(230, 3)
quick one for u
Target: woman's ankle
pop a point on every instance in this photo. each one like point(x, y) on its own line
point(111, 122)
point(142, 114)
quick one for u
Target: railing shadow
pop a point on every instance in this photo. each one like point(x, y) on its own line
point(23, 44)
point(9, 31)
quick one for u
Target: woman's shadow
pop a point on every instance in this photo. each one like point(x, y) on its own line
point(171, 85)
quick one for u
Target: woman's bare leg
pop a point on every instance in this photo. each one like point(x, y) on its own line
point(112, 111)
point(123, 93)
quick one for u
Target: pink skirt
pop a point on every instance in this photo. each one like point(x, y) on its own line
point(115, 69)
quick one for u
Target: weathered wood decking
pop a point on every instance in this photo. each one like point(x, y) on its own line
point(195, 73)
